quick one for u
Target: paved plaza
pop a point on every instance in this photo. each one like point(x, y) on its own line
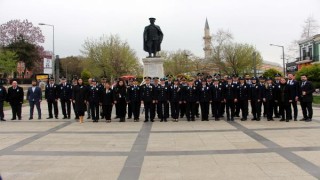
point(66, 150)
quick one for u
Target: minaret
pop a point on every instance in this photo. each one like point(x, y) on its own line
point(207, 41)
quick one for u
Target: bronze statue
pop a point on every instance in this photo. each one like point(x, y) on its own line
point(152, 38)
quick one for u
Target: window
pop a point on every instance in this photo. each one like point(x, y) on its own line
point(304, 53)
point(310, 52)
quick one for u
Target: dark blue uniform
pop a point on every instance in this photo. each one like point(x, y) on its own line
point(255, 98)
point(93, 97)
point(230, 96)
point(65, 95)
point(204, 100)
point(51, 95)
point(217, 99)
point(243, 96)
point(191, 97)
point(175, 100)
point(293, 85)
point(107, 100)
point(162, 101)
point(147, 96)
point(134, 100)
point(269, 99)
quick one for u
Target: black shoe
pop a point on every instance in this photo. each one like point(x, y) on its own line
point(287, 120)
point(69, 117)
point(30, 118)
point(165, 120)
point(57, 117)
point(276, 116)
point(49, 117)
point(303, 119)
point(65, 117)
point(228, 119)
point(308, 120)
point(13, 119)
point(152, 120)
point(192, 119)
point(161, 120)
point(146, 120)
point(3, 119)
point(197, 116)
point(76, 117)
point(232, 119)
point(116, 117)
point(88, 117)
point(19, 118)
point(295, 119)
point(129, 118)
point(236, 116)
point(253, 119)
point(282, 119)
point(39, 118)
point(258, 119)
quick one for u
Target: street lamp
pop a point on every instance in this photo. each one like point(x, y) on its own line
point(53, 55)
point(284, 65)
point(254, 64)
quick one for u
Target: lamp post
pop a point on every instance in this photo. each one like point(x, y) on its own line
point(53, 55)
point(284, 65)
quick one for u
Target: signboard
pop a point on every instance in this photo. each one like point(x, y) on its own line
point(42, 80)
point(47, 66)
point(291, 67)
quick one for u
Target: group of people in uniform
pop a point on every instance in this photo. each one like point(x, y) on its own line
point(162, 98)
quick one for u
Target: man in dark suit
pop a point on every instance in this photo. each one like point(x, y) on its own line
point(217, 98)
point(34, 96)
point(15, 98)
point(65, 95)
point(134, 99)
point(293, 86)
point(306, 98)
point(51, 95)
point(230, 97)
point(93, 97)
point(3, 96)
point(243, 91)
point(147, 98)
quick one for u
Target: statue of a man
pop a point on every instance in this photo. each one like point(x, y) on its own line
point(152, 38)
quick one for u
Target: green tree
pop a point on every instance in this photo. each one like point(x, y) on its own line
point(111, 57)
point(238, 58)
point(271, 72)
point(85, 75)
point(71, 66)
point(178, 62)
point(7, 62)
point(26, 52)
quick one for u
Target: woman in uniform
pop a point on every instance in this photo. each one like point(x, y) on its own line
point(78, 98)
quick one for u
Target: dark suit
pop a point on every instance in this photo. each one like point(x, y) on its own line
point(284, 96)
point(230, 95)
point(93, 97)
point(34, 96)
point(243, 96)
point(306, 100)
point(293, 85)
point(3, 97)
point(147, 96)
point(162, 100)
point(175, 99)
point(255, 97)
point(65, 95)
point(134, 100)
point(204, 100)
point(15, 98)
point(107, 100)
point(191, 96)
point(51, 95)
point(269, 98)
point(217, 99)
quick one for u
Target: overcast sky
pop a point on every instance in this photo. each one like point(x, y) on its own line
point(257, 22)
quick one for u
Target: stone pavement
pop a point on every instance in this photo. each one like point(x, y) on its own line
point(65, 149)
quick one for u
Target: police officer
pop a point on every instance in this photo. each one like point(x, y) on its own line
point(230, 98)
point(3, 97)
point(284, 100)
point(175, 99)
point(255, 98)
point(51, 95)
point(147, 98)
point(162, 100)
point(93, 98)
point(217, 98)
point(243, 96)
point(191, 98)
point(134, 99)
point(269, 98)
point(204, 99)
point(169, 82)
point(235, 81)
point(65, 95)
point(223, 83)
point(15, 98)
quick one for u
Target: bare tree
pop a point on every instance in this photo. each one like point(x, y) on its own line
point(309, 28)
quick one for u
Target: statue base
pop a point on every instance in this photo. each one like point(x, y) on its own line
point(153, 67)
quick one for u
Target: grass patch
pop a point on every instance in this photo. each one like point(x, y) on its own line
point(316, 99)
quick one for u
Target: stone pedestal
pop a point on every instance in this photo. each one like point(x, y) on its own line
point(153, 67)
